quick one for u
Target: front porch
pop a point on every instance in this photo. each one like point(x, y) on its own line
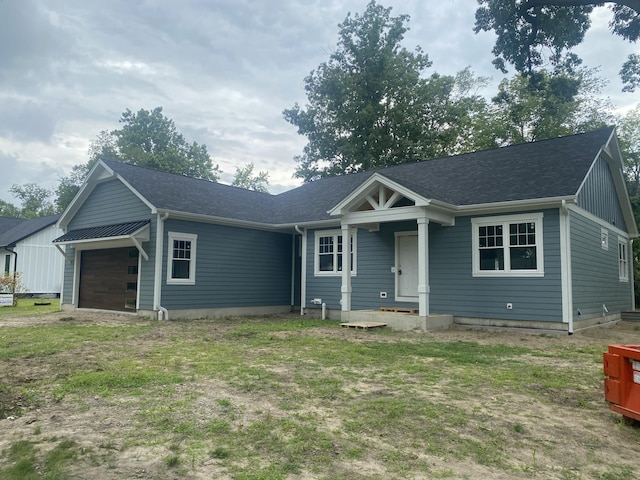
point(398, 320)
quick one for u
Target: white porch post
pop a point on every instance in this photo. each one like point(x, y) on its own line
point(423, 266)
point(346, 269)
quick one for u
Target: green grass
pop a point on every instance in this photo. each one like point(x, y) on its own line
point(274, 398)
point(26, 307)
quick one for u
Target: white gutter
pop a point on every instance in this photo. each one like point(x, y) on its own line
point(157, 287)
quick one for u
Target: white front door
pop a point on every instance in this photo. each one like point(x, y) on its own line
point(407, 267)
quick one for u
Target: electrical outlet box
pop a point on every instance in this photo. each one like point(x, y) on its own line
point(509, 306)
point(383, 294)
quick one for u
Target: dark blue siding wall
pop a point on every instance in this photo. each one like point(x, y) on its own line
point(235, 267)
point(112, 202)
point(598, 195)
point(595, 274)
point(455, 291)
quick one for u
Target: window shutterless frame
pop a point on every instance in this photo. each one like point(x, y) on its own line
point(328, 252)
point(181, 258)
point(508, 246)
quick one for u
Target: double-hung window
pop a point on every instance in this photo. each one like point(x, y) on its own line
point(623, 260)
point(508, 246)
point(329, 251)
point(181, 256)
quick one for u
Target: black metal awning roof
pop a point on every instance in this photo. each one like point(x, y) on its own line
point(102, 232)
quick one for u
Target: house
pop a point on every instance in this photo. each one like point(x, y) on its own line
point(532, 235)
point(25, 247)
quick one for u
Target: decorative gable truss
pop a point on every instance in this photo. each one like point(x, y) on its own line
point(380, 199)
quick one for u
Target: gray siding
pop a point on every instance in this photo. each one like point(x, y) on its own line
point(453, 288)
point(112, 202)
point(595, 275)
point(235, 267)
point(598, 195)
point(67, 280)
point(455, 291)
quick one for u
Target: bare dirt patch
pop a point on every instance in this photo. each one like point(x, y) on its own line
point(546, 431)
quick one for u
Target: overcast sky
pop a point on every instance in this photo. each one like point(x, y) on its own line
point(223, 70)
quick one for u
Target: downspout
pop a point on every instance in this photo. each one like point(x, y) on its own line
point(163, 313)
point(567, 253)
point(632, 276)
point(303, 269)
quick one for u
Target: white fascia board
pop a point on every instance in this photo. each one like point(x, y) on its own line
point(360, 193)
point(603, 223)
point(615, 167)
point(196, 217)
point(514, 206)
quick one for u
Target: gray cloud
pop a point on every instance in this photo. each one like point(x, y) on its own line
point(223, 71)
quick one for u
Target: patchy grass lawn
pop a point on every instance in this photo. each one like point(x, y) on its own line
point(28, 307)
point(113, 396)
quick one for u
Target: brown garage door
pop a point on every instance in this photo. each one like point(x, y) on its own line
point(109, 279)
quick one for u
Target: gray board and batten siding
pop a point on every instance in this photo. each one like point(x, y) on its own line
point(598, 195)
point(112, 202)
point(235, 267)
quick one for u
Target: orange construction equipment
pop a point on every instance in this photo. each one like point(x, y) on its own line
point(622, 385)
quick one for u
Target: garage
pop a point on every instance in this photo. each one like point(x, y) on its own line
point(109, 259)
point(109, 279)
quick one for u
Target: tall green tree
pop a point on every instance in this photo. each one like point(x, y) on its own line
point(542, 33)
point(146, 138)
point(546, 105)
point(35, 200)
point(245, 178)
point(629, 135)
point(371, 106)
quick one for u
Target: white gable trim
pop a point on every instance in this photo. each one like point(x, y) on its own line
point(99, 173)
point(364, 191)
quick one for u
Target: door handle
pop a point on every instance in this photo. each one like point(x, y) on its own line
point(399, 271)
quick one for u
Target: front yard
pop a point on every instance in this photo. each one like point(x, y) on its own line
point(87, 395)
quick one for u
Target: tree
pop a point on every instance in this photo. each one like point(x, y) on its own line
point(369, 106)
point(546, 105)
point(8, 209)
point(146, 138)
point(35, 200)
point(526, 29)
point(629, 135)
point(244, 178)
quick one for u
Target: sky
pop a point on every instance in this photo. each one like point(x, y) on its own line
point(222, 70)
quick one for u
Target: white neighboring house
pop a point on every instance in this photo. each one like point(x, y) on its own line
point(26, 247)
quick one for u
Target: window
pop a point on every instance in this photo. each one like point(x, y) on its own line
point(181, 267)
point(604, 238)
point(328, 252)
point(508, 246)
point(623, 262)
point(7, 264)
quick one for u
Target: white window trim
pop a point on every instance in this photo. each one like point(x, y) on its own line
point(623, 273)
point(192, 264)
point(316, 252)
point(505, 221)
point(604, 238)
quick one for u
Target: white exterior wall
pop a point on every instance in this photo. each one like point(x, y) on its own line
point(39, 262)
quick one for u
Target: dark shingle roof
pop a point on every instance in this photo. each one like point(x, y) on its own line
point(167, 191)
point(104, 231)
point(25, 228)
point(543, 169)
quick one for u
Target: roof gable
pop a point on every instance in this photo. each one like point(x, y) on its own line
point(26, 228)
point(552, 169)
